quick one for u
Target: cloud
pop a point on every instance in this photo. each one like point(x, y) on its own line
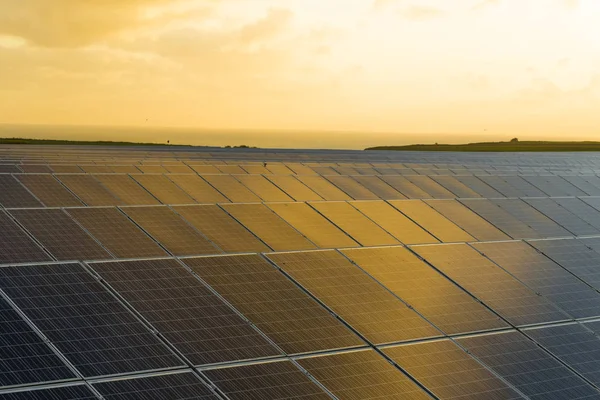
point(71, 23)
point(421, 13)
point(276, 20)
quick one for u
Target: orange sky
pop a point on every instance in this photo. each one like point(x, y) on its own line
point(495, 68)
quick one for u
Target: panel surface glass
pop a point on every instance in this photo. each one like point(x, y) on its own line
point(14, 195)
point(544, 276)
point(129, 191)
point(271, 229)
point(563, 216)
point(436, 298)
point(406, 187)
point(152, 169)
point(455, 186)
point(83, 320)
point(449, 372)
point(491, 284)
point(89, 190)
point(353, 295)
point(60, 235)
point(554, 186)
point(231, 169)
point(479, 186)
point(379, 187)
point(522, 363)
point(430, 186)
point(362, 375)
point(262, 187)
point(524, 186)
point(49, 190)
point(273, 381)
point(198, 188)
point(501, 219)
point(543, 225)
point(75, 392)
point(170, 230)
point(15, 245)
point(312, 225)
point(502, 186)
point(294, 188)
point(220, 228)
point(354, 223)
point(163, 189)
point(116, 232)
point(323, 187)
point(585, 184)
point(352, 187)
point(434, 222)
point(295, 321)
point(232, 189)
point(65, 169)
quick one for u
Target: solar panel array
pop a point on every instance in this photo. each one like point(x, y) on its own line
point(253, 274)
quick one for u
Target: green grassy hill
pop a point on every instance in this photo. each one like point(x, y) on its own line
point(512, 146)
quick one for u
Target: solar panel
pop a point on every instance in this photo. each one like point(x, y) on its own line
point(124, 169)
point(573, 344)
point(199, 189)
point(500, 218)
point(199, 324)
point(563, 216)
point(170, 230)
point(129, 191)
point(449, 372)
point(379, 187)
point(232, 189)
point(262, 187)
point(524, 365)
point(65, 169)
point(279, 380)
point(9, 169)
point(312, 225)
point(116, 232)
point(466, 219)
point(523, 186)
point(180, 386)
point(15, 245)
point(300, 169)
point(352, 187)
point(587, 184)
point(152, 169)
point(324, 170)
point(83, 320)
point(89, 190)
point(455, 186)
point(544, 276)
point(406, 187)
point(554, 186)
point(362, 375)
point(476, 184)
point(96, 169)
point(163, 189)
point(271, 229)
point(60, 235)
point(206, 169)
point(502, 186)
point(353, 295)
point(295, 322)
point(491, 284)
point(73, 392)
point(294, 188)
point(231, 169)
point(323, 188)
point(434, 222)
point(48, 190)
point(220, 228)
point(354, 223)
point(440, 301)
point(279, 169)
point(430, 186)
point(14, 195)
point(178, 169)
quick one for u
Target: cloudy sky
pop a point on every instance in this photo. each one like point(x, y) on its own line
point(498, 68)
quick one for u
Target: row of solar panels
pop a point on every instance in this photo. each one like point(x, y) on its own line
point(94, 233)
point(38, 190)
point(67, 322)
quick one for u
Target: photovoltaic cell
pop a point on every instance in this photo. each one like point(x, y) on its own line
point(544, 276)
point(379, 187)
point(60, 235)
point(362, 375)
point(585, 184)
point(449, 372)
point(15, 245)
point(74, 392)
point(232, 188)
point(312, 225)
point(220, 228)
point(430, 186)
point(163, 189)
point(353, 295)
point(554, 185)
point(49, 190)
point(574, 345)
point(434, 222)
point(24, 357)
point(470, 222)
point(406, 187)
point(170, 230)
point(152, 169)
point(198, 188)
point(264, 188)
point(271, 229)
point(255, 169)
point(116, 232)
point(352, 187)
point(501, 219)
point(65, 169)
point(96, 169)
point(129, 191)
point(295, 321)
point(524, 186)
point(323, 188)
point(206, 169)
point(182, 386)
point(294, 188)
point(89, 190)
point(543, 225)
point(502, 186)
point(83, 320)
point(523, 364)
point(276, 381)
point(124, 169)
point(35, 169)
point(455, 186)
point(491, 284)
point(14, 195)
point(231, 169)
point(199, 324)
point(354, 223)
point(178, 169)
point(440, 301)
point(479, 186)
point(300, 169)
point(563, 216)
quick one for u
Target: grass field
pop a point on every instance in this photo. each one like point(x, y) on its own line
point(512, 146)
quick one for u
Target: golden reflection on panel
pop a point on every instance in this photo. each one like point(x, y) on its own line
point(128, 190)
point(323, 188)
point(163, 189)
point(263, 188)
point(232, 189)
point(294, 188)
point(196, 187)
point(89, 190)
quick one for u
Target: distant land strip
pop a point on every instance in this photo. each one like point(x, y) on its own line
point(512, 146)
point(104, 143)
